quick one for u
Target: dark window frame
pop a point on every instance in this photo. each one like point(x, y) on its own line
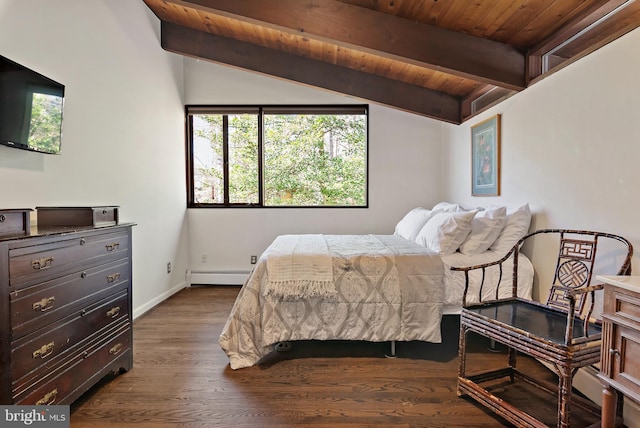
point(191, 109)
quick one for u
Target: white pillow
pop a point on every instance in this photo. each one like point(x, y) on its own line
point(518, 222)
point(444, 232)
point(448, 207)
point(485, 229)
point(412, 222)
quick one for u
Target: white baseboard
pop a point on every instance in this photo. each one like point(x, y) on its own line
point(154, 302)
point(232, 277)
point(198, 277)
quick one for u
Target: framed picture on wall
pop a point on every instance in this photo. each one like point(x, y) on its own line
point(485, 157)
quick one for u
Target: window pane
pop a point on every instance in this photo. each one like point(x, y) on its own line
point(208, 152)
point(243, 159)
point(314, 160)
point(277, 156)
point(208, 163)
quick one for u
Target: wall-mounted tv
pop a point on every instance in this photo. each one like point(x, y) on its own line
point(30, 109)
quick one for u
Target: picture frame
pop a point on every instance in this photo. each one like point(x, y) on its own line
point(485, 157)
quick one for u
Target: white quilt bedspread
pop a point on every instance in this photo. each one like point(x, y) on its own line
point(387, 288)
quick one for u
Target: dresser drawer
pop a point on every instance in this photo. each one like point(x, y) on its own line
point(625, 370)
point(86, 366)
point(15, 222)
point(624, 307)
point(42, 349)
point(36, 306)
point(28, 265)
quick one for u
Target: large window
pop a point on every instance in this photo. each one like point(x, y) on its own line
point(277, 156)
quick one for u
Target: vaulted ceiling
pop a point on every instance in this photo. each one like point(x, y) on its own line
point(444, 59)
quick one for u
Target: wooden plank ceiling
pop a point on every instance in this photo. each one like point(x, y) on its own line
point(444, 59)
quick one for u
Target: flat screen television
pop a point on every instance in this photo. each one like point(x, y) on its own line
point(30, 109)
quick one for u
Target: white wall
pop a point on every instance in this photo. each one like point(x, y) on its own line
point(404, 171)
point(123, 126)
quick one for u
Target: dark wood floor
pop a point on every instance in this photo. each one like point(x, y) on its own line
point(181, 378)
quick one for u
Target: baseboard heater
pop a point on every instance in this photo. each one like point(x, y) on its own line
point(221, 277)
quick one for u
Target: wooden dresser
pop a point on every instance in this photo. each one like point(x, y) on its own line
point(65, 309)
point(619, 368)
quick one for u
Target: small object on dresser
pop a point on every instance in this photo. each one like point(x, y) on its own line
point(95, 216)
point(15, 222)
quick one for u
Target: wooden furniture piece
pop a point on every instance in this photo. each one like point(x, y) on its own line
point(560, 332)
point(619, 369)
point(15, 222)
point(96, 216)
point(65, 308)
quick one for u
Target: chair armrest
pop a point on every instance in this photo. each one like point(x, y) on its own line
point(466, 269)
point(585, 317)
point(583, 290)
point(482, 266)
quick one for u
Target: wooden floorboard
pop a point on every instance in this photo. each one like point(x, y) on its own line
point(181, 378)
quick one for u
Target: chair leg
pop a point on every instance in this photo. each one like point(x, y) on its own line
point(492, 346)
point(564, 397)
point(462, 355)
point(511, 358)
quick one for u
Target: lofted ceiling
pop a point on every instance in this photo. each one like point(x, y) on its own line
point(444, 59)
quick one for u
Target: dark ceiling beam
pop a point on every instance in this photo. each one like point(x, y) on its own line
point(393, 93)
point(380, 34)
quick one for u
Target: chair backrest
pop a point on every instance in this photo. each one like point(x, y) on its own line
point(574, 269)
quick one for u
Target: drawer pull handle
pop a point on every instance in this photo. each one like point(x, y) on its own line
point(113, 277)
point(614, 352)
point(113, 312)
point(42, 263)
point(2, 218)
point(83, 241)
point(48, 399)
point(113, 246)
point(83, 275)
point(45, 351)
point(44, 304)
point(115, 349)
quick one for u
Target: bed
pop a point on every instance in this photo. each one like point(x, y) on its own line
point(375, 288)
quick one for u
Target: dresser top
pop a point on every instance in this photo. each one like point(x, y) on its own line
point(631, 283)
point(36, 231)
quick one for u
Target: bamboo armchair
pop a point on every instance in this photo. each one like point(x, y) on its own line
point(560, 332)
